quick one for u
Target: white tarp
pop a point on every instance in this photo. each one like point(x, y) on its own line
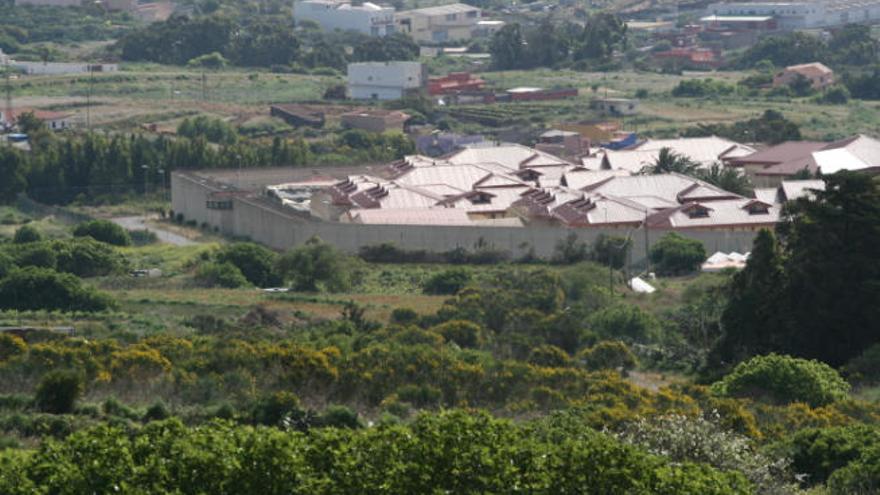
point(721, 261)
point(640, 286)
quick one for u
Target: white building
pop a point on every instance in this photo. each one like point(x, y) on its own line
point(803, 14)
point(385, 80)
point(451, 22)
point(367, 18)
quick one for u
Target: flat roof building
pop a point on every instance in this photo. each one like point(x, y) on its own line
point(367, 18)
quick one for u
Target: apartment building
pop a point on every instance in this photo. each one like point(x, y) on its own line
point(385, 80)
point(452, 22)
point(367, 18)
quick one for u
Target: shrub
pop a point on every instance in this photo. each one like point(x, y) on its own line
point(549, 356)
point(463, 333)
point(835, 95)
point(702, 87)
point(157, 412)
point(27, 233)
point(143, 237)
point(339, 417)
point(611, 250)
point(675, 255)
point(387, 252)
point(36, 254)
point(866, 367)
point(818, 452)
point(316, 265)
point(58, 391)
point(860, 477)
point(86, 257)
point(255, 262)
point(103, 231)
point(11, 346)
point(6, 264)
point(609, 355)
point(695, 439)
point(272, 409)
point(624, 322)
point(40, 288)
point(224, 275)
point(784, 379)
point(404, 316)
point(448, 281)
point(570, 250)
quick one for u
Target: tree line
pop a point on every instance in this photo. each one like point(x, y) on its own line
point(548, 45)
point(59, 170)
point(260, 42)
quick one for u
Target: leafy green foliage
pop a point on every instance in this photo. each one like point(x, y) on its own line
point(668, 161)
point(317, 265)
point(452, 451)
point(58, 391)
point(41, 288)
point(696, 439)
point(611, 250)
point(26, 234)
point(255, 262)
point(225, 274)
point(702, 87)
point(213, 129)
point(676, 255)
point(784, 379)
point(818, 452)
point(448, 282)
point(609, 355)
point(624, 322)
point(771, 127)
point(13, 169)
point(727, 178)
point(103, 231)
point(397, 46)
point(859, 477)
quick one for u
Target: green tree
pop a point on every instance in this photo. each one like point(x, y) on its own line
point(255, 262)
point(448, 281)
point(677, 255)
point(625, 322)
point(508, 47)
point(225, 274)
point(753, 319)
point(780, 379)
point(668, 161)
point(13, 169)
point(602, 34)
point(35, 288)
point(26, 234)
point(727, 178)
point(103, 231)
point(397, 46)
point(317, 265)
point(833, 270)
point(58, 391)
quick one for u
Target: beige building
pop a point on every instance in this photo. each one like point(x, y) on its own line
point(375, 120)
point(818, 74)
point(453, 22)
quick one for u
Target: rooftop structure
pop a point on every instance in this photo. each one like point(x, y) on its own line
point(819, 75)
point(769, 167)
point(385, 80)
point(454, 82)
point(367, 18)
point(375, 120)
point(451, 22)
point(791, 15)
point(703, 150)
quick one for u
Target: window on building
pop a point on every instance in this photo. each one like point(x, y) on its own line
point(481, 199)
point(219, 204)
point(473, 14)
point(698, 212)
point(451, 17)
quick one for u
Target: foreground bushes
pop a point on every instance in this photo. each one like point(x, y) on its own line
point(450, 452)
point(41, 288)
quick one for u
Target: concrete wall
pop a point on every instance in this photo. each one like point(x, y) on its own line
point(270, 225)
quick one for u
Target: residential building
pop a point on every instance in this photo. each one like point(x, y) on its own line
point(771, 166)
point(367, 18)
point(790, 15)
point(690, 57)
point(55, 121)
point(615, 106)
point(789, 190)
point(703, 150)
point(375, 120)
point(455, 82)
point(735, 23)
point(385, 80)
point(818, 74)
point(563, 143)
point(451, 22)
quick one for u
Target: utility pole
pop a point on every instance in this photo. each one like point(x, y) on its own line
point(204, 86)
point(8, 88)
point(647, 242)
point(89, 97)
point(145, 169)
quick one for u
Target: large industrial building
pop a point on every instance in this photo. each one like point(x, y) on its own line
point(797, 14)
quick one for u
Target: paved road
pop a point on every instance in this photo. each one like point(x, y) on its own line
point(137, 223)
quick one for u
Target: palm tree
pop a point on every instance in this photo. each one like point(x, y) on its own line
point(729, 179)
point(669, 161)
